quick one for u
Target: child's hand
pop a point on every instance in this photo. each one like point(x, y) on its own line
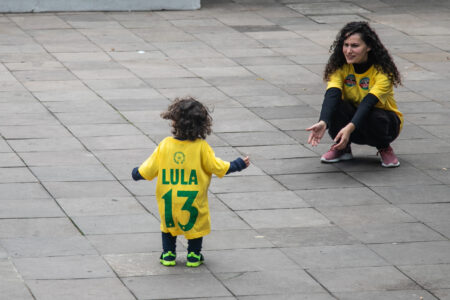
point(247, 161)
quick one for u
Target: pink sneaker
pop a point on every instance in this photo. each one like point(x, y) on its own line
point(333, 156)
point(388, 158)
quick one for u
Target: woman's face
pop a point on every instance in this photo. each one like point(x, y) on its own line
point(355, 49)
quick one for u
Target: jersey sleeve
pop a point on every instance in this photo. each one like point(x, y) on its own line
point(149, 168)
point(382, 87)
point(336, 80)
point(213, 164)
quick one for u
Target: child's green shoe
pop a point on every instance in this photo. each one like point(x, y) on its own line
point(168, 258)
point(194, 260)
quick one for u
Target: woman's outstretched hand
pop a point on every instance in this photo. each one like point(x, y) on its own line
point(343, 137)
point(316, 133)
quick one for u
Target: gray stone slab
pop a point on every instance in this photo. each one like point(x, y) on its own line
point(118, 142)
point(78, 106)
point(148, 264)
point(414, 194)
point(40, 227)
point(12, 175)
point(235, 239)
point(72, 173)
point(418, 253)
point(72, 289)
point(100, 206)
point(22, 191)
point(293, 166)
point(82, 189)
point(431, 277)
point(394, 295)
point(12, 286)
point(317, 180)
point(63, 267)
point(430, 161)
point(35, 208)
point(35, 131)
point(442, 228)
point(363, 279)
point(227, 220)
point(443, 294)
point(256, 138)
point(75, 118)
point(308, 236)
point(10, 160)
point(262, 200)
point(48, 246)
point(50, 144)
point(157, 287)
point(285, 112)
point(339, 256)
point(393, 233)
point(340, 197)
point(428, 213)
point(276, 151)
point(127, 243)
point(281, 218)
point(271, 282)
point(236, 184)
point(61, 158)
point(305, 296)
point(139, 223)
point(365, 214)
point(401, 176)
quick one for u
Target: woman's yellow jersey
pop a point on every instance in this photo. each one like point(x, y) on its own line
point(355, 87)
point(184, 170)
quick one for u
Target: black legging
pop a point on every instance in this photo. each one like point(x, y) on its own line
point(379, 129)
point(169, 243)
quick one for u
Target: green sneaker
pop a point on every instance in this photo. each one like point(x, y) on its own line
point(194, 260)
point(168, 258)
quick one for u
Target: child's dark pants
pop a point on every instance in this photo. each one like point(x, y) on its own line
point(169, 243)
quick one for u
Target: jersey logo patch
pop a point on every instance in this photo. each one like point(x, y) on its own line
point(364, 83)
point(350, 80)
point(179, 158)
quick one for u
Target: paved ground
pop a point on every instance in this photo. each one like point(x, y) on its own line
point(80, 97)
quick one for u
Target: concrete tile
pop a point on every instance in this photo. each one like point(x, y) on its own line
point(428, 213)
point(235, 239)
point(363, 279)
point(48, 144)
point(118, 142)
point(82, 189)
point(227, 220)
point(418, 253)
point(36, 208)
point(12, 175)
point(100, 206)
point(47, 246)
point(89, 289)
point(281, 218)
point(10, 160)
point(238, 184)
point(237, 139)
point(116, 224)
point(64, 267)
point(35, 131)
point(272, 282)
point(308, 236)
point(339, 256)
point(284, 112)
point(403, 176)
point(22, 191)
point(39, 227)
point(443, 294)
point(292, 166)
point(394, 295)
point(69, 158)
point(82, 118)
point(340, 197)
point(317, 180)
point(431, 277)
point(12, 286)
point(72, 173)
point(154, 287)
point(262, 200)
point(276, 151)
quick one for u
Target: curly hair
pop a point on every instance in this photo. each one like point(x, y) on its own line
point(191, 119)
point(378, 55)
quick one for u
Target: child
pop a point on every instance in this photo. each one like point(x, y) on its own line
point(184, 165)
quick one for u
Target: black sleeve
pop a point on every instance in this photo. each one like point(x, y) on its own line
point(236, 165)
point(364, 108)
point(330, 103)
point(136, 175)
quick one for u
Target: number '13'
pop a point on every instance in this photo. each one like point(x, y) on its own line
point(193, 212)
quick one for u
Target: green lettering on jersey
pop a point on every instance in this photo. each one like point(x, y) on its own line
point(164, 179)
point(193, 177)
point(174, 176)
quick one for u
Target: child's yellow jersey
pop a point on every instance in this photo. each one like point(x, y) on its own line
point(355, 87)
point(184, 170)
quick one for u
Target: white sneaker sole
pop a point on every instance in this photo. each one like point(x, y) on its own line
point(390, 165)
point(345, 156)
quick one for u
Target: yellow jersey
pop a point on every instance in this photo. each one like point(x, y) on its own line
point(355, 87)
point(184, 169)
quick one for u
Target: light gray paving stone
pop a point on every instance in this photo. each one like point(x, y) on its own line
point(442, 228)
point(272, 282)
point(138, 223)
point(256, 138)
point(317, 180)
point(366, 214)
point(118, 142)
point(362, 279)
point(268, 101)
point(44, 118)
point(10, 160)
point(235, 239)
point(285, 112)
point(157, 287)
point(4, 147)
point(339, 256)
point(414, 194)
point(50, 144)
point(47, 246)
point(12, 175)
point(132, 156)
point(77, 118)
point(38, 227)
point(100, 206)
point(236, 184)
point(63, 267)
point(142, 188)
point(12, 286)
point(276, 151)
point(417, 253)
point(83, 189)
point(86, 289)
point(393, 233)
point(35, 208)
point(281, 218)
point(122, 105)
point(394, 295)
point(148, 264)
point(262, 200)
point(127, 243)
point(22, 191)
point(60, 158)
point(74, 95)
point(35, 131)
point(428, 213)
point(431, 277)
point(248, 260)
point(78, 106)
point(443, 294)
point(340, 197)
point(293, 166)
point(403, 176)
point(305, 296)
point(72, 173)
point(227, 220)
point(436, 161)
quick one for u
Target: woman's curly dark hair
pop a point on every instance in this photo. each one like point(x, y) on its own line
point(378, 55)
point(191, 119)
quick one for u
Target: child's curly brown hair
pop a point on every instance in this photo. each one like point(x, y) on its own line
point(191, 119)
